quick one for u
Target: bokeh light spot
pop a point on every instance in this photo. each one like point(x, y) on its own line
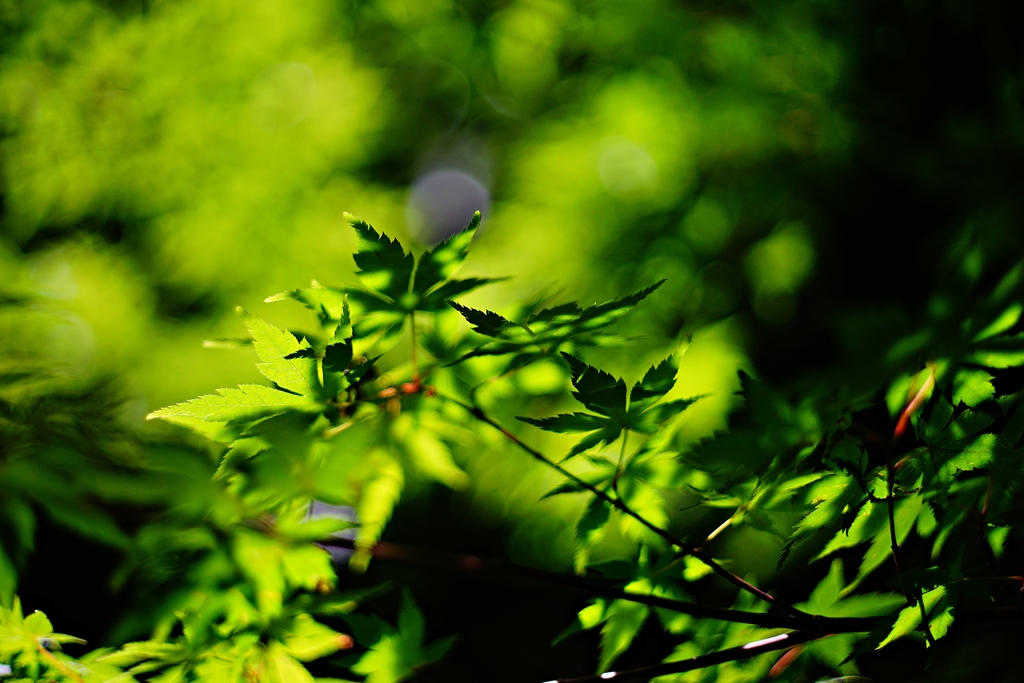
point(442, 203)
point(781, 261)
point(627, 170)
point(283, 95)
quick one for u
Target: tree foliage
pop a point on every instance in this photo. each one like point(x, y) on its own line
point(904, 486)
point(824, 194)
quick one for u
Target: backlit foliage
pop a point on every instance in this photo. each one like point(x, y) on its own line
point(342, 422)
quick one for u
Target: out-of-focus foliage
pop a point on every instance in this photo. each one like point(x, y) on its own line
point(195, 135)
point(829, 190)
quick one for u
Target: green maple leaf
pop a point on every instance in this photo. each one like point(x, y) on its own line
point(293, 365)
point(246, 403)
point(335, 349)
point(396, 284)
point(384, 266)
point(611, 413)
point(546, 332)
point(397, 654)
point(286, 361)
point(328, 303)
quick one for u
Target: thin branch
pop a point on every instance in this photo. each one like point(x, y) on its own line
point(386, 551)
point(618, 504)
point(419, 557)
point(618, 468)
point(334, 431)
point(733, 654)
point(924, 621)
point(915, 403)
point(59, 665)
point(415, 363)
point(721, 527)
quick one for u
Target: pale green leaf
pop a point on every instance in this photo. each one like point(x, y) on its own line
point(428, 453)
point(308, 639)
point(379, 497)
point(307, 566)
point(283, 360)
point(975, 454)
point(870, 519)
point(1004, 322)
point(38, 624)
point(588, 528)
point(826, 593)
point(972, 387)
point(397, 655)
point(880, 551)
point(910, 617)
point(940, 622)
point(283, 668)
point(623, 621)
point(247, 402)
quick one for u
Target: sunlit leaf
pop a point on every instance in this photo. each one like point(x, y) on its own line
point(910, 617)
point(247, 402)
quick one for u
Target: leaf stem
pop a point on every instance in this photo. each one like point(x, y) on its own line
point(415, 362)
point(721, 527)
point(924, 621)
point(57, 664)
point(618, 504)
point(334, 431)
point(618, 468)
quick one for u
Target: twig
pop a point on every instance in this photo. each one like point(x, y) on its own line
point(59, 665)
point(618, 504)
point(733, 654)
point(721, 527)
point(929, 638)
point(915, 404)
point(415, 363)
point(401, 554)
point(618, 468)
point(334, 431)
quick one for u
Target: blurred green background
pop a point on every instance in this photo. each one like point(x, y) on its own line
point(785, 165)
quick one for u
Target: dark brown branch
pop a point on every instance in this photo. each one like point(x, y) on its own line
point(491, 568)
point(618, 504)
point(733, 654)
